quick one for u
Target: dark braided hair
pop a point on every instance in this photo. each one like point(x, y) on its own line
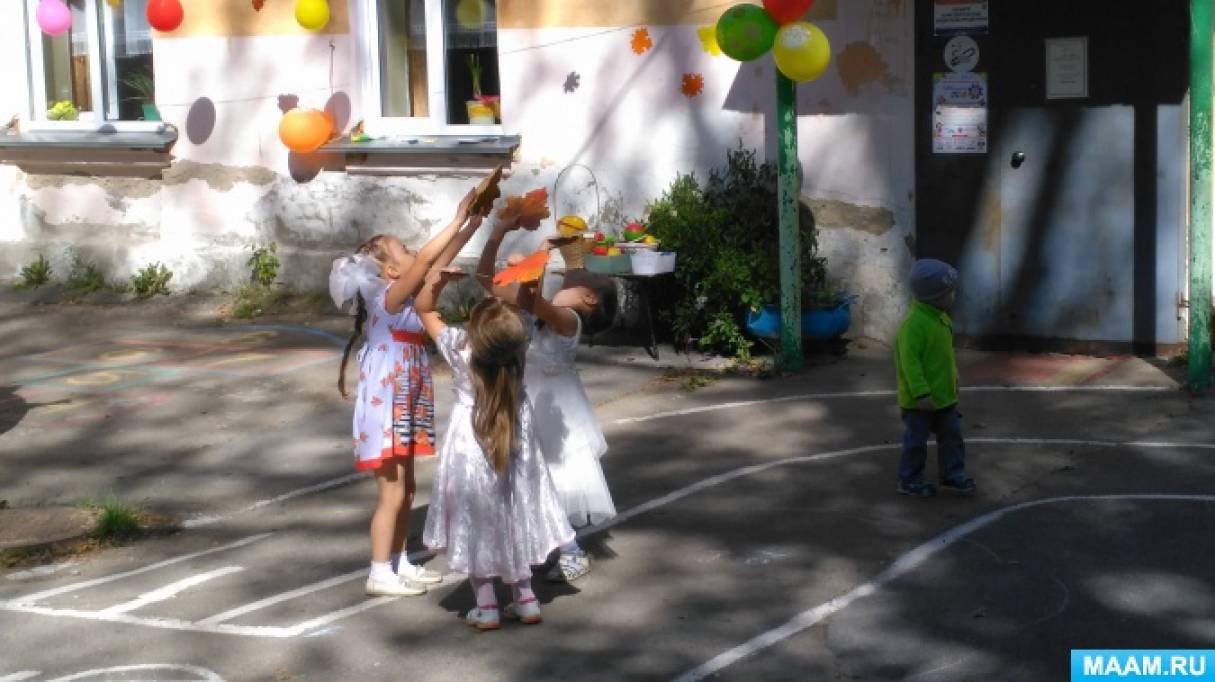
point(360, 317)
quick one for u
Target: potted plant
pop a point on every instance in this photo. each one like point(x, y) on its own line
point(144, 88)
point(480, 111)
point(826, 313)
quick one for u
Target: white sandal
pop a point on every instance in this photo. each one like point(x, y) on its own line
point(483, 618)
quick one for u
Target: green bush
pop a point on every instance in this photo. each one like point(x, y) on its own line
point(726, 233)
point(85, 277)
point(153, 279)
point(36, 274)
point(264, 264)
point(254, 299)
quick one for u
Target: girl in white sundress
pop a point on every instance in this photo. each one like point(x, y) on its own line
point(569, 432)
point(493, 509)
point(394, 409)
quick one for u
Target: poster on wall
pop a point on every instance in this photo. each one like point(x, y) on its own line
point(1066, 68)
point(952, 17)
point(959, 115)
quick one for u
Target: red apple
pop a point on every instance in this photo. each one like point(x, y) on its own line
point(599, 251)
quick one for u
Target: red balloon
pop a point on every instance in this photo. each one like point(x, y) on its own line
point(165, 15)
point(785, 11)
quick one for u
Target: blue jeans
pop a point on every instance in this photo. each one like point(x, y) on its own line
point(951, 451)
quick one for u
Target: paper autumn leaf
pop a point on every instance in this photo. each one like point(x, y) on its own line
point(487, 194)
point(708, 40)
point(258, 4)
point(693, 84)
point(527, 270)
point(526, 211)
point(641, 42)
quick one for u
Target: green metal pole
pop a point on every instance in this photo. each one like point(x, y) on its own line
point(1200, 194)
point(788, 191)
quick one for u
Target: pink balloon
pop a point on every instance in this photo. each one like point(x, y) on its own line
point(54, 17)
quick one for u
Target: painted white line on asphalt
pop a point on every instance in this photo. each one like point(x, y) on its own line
point(162, 623)
point(886, 394)
point(285, 596)
point(904, 564)
point(169, 591)
point(302, 628)
point(23, 675)
point(30, 599)
point(203, 674)
point(319, 487)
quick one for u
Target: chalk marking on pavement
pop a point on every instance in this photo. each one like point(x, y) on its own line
point(31, 599)
point(285, 596)
point(314, 623)
point(887, 393)
point(153, 622)
point(901, 566)
point(23, 675)
point(170, 591)
point(204, 675)
point(319, 487)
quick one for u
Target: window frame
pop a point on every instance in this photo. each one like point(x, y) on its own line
point(103, 90)
point(366, 23)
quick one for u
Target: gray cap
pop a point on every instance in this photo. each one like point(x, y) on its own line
point(932, 280)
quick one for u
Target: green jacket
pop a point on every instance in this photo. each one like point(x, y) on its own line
point(923, 358)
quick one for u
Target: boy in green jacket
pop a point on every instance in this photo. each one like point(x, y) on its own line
point(928, 384)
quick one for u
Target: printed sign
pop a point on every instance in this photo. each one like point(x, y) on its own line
point(951, 17)
point(1067, 68)
point(961, 54)
point(959, 117)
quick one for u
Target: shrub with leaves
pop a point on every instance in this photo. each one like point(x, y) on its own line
point(727, 235)
point(36, 274)
point(153, 279)
point(264, 264)
point(85, 277)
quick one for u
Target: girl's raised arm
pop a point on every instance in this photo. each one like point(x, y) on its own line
point(411, 280)
point(426, 303)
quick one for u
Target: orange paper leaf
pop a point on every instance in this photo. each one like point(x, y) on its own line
point(487, 193)
point(527, 270)
point(641, 42)
point(528, 210)
point(693, 84)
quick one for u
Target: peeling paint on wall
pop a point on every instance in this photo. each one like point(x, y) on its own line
point(860, 64)
point(830, 214)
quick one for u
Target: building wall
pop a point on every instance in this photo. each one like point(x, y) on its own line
point(221, 79)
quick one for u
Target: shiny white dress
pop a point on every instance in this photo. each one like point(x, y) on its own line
point(490, 524)
point(566, 425)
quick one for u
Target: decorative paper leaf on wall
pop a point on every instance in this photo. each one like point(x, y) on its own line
point(487, 193)
point(693, 84)
point(527, 270)
point(708, 40)
point(572, 82)
point(528, 210)
point(641, 42)
point(258, 5)
point(115, 3)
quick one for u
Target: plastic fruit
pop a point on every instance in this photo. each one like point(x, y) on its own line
point(614, 251)
point(599, 251)
point(600, 237)
point(634, 232)
point(571, 226)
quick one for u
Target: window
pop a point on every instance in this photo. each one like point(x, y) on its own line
point(425, 60)
point(102, 66)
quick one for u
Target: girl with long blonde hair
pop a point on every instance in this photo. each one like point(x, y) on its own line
point(493, 511)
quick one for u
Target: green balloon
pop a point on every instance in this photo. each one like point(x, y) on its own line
point(746, 32)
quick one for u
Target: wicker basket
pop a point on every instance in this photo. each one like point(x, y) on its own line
point(574, 254)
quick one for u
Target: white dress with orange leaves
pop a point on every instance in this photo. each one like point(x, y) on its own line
point(394, 415)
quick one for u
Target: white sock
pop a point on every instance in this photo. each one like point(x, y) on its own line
point(382, 570)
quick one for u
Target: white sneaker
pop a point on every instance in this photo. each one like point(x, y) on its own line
point(526, 611)
point(393, 588)
point(569, 567)
point(417, 574)
point(483, 618)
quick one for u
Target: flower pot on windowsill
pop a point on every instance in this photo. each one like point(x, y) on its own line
point(493, 102)
point(480, 113)
point(150, 112)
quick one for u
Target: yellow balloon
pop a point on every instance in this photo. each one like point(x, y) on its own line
point(802, 51)
point(312, 14)
point(471, 14)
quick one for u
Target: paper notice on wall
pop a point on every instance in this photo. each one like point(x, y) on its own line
point(959, 116)
point(951, 17)
point(1066, 68)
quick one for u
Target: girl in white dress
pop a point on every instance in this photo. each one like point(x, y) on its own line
point(493, 509)
point(569, 432)
point(394, 410)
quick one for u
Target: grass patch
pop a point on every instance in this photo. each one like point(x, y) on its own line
point(691, 380)
point(85, 277)
point(117, 523)
point(252, 300)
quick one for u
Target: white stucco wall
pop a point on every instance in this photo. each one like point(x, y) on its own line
point(232, 184)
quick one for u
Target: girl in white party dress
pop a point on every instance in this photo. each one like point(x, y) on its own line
point(493, 509)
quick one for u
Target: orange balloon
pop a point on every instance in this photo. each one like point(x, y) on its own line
point(305, 130)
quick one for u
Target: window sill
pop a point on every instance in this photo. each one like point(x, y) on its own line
point(90, 152)
point(411, 155)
